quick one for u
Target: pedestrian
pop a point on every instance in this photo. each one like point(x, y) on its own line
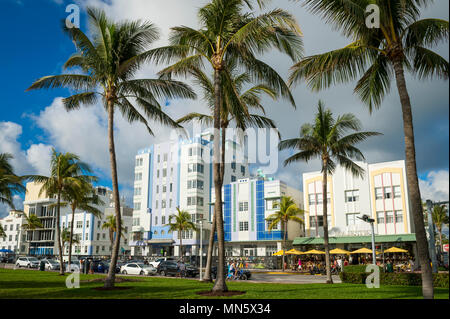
point(299, 264)
point(182, 269)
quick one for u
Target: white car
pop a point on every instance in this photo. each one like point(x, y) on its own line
point(29, 262)
point(51, 264)
point(138, 269)
point(156, 262)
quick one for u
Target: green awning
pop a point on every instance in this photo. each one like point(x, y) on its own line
point(355, 239)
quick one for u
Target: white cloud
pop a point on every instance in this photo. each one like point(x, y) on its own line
point(39, 155)
point(435, 187)
point(32, 161)
point(18, 203)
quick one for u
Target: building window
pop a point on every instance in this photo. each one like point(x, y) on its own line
point(137, 205)
point(319, 198)
point(139, 162)
point(165, 157)
point(233, 178)
point(137, 191)
point(243, 206)
point(380, 217)
point(79, 224)
point(195, 168)
point(378, 193)
point(312, 199)
point(243, 226)
point(194, 200)
point(136, 221)
point(163, 220)
point(397, 192)
point(86, 237)
point(159, 158)
point(170, 203)
point(164, 188)
point(98, 236)
point(387, 192)
point(233, 166)
point(268, 222)
point(389, 217)
point(87, 224)
point(399, 216)
point(157, 173)
point(164, 172)
point(195, 183)
point(156, 204)
point(157, 189)
point(243, 170)
point(156, 220)
point(99, 223)
point(163, 204)
point(352, 196)
point(138, 176)
point(170, 187)
point(316, 221)
point(351, 219)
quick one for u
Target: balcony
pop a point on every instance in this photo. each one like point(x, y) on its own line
point(137, 228)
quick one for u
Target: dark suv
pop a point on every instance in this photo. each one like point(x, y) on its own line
point(168, 267)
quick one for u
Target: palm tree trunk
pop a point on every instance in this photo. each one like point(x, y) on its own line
point(181, 245)
point(219, 285)
point(207, 276)
point(325, 221)
point(284, 244)
point(71, 235)
point(58, 233)
point(412, 182)
point(109, 282)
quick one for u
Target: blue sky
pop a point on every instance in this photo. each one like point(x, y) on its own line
point(33, 122)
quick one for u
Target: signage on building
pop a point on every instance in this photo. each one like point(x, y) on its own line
point(446, 248)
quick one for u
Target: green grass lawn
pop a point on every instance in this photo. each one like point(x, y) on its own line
point(36, 284)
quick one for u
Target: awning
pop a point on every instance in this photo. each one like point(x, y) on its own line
point(355, 239)
point(395, 250)
point(313, 252)
point(159, 241)
point(362, 251)
point(279, 253)
point(294, 252)
point(339, 251)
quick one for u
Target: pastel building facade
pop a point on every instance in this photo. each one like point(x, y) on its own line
point(247, 204)
point(15, 239)
point(93, 239)
point(177, 173)
point(382, 194)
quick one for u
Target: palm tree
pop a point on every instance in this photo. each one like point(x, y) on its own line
point(32, 222)
point(109, 62)
point(326, 139)
point(235, 108)
point(288, 211)
point(2, 231)
point(82, 197)
point(375, 56)
point(182, 223)
point(440, 218)
point(10, 183)
point(228, 33)
point(67, 237)
point(66, 173)
point(111, 225)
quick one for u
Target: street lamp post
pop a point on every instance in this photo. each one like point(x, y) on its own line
point(201, 248)
point(431, 242)
point(371, 221)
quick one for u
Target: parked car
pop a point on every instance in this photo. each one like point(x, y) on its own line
point(138, 269)
point(156, 262)
point(29, 262)
point(51, 264)
point(244, 274)
point(167, 267)
point(119, 264)
point(9, 259)
point(192, 271)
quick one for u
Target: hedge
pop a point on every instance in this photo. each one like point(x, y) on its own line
point(400, 279)
point(357, 268)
